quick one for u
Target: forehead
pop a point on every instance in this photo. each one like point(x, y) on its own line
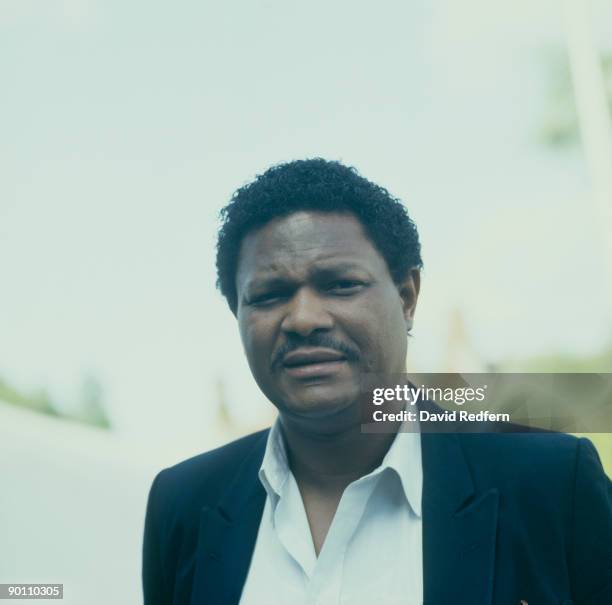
point(294, 245)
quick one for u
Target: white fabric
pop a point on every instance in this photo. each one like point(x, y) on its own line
point(373, 552)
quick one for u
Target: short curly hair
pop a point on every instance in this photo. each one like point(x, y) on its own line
point(316, 185)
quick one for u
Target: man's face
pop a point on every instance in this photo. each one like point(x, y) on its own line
point(317, 307)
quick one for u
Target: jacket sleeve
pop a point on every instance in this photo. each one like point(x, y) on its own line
point(591, 532)
point(153, 577)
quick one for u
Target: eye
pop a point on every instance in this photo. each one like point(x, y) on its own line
point(267, 299)
point(345, 287)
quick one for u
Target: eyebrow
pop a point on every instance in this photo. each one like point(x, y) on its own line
point(319, 272)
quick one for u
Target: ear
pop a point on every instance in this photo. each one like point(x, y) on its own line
point(409, 293)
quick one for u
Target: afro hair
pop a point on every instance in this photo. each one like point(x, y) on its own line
point(316, 185)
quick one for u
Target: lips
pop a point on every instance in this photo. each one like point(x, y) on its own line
point(306, 356)
point(313, 363)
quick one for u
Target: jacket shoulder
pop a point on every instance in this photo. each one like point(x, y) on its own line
point(219, 459)
point(199, 481)
point(530, 453)
point(529, 465)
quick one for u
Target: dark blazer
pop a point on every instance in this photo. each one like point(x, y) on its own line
point(506, 518)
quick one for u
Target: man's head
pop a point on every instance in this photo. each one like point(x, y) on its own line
point(321, 268)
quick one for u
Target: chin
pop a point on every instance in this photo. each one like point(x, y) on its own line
point(317, 406)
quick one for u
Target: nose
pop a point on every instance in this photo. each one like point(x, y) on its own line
point(306, 313)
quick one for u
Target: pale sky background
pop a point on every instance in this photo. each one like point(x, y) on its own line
point(126, 125)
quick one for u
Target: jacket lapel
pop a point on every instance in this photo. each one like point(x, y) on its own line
point(459, 526)
point(227, 536)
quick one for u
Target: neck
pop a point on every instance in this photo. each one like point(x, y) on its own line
point(332, 461)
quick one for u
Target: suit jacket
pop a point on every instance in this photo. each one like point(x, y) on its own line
point(507, 518)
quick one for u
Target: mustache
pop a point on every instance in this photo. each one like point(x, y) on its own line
point(326, 341)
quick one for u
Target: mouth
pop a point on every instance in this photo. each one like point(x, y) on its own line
point(313, 363)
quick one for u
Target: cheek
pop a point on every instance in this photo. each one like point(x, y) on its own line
point(397, 336)
point(386, 336)
point(256, 337)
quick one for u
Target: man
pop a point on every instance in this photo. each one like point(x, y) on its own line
point(321, 269)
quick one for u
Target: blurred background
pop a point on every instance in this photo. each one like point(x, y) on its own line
point(125, 127)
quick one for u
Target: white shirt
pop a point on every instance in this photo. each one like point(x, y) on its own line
point(373, 551)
